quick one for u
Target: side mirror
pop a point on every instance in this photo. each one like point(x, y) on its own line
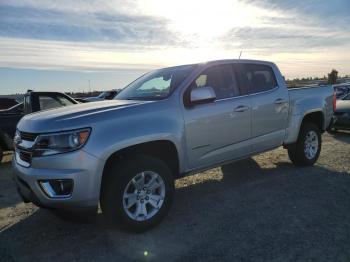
point(202, 95)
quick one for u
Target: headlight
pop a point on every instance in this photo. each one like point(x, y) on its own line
point(55, 143)
point(17, 138)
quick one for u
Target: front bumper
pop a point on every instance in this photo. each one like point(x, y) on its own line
point(26, 193)
point(84, 169)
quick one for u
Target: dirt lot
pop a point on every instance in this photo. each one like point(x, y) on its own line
point(253, 210)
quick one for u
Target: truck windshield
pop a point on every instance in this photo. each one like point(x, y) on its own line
point(157, 84)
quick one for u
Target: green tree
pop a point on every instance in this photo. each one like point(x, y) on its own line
point(332, 77)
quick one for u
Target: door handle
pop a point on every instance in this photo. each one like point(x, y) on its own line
point(241, 108)
point(279, 101)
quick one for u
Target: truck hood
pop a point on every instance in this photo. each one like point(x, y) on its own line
point(73, 116)
point(343, 106)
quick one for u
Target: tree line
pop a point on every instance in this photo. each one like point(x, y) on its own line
point(331, 78)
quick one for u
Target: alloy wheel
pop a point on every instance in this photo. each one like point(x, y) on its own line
point(144, 196)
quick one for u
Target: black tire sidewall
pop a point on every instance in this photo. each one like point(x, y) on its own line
point(122, 173)
point(306, 128)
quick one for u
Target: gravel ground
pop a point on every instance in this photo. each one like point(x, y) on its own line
point(260, 209)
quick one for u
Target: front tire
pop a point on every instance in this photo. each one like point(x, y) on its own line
point(306, 150)
point(138, 192)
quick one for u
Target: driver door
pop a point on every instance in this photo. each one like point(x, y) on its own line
point(218, 131)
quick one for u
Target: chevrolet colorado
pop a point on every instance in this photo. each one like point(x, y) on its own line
point(124, 154)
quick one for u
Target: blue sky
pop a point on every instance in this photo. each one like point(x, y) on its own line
point(61, 45)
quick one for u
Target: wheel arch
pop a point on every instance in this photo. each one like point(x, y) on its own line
point(315, 117)
point(164, 150)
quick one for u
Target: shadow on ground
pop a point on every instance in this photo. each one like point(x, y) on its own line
point(281, 213)
point(343, 136)
point(8, 194)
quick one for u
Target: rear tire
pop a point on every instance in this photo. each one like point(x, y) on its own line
point(306, 150)
point(137, 193)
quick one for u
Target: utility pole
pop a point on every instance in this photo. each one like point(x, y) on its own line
point(89, 86)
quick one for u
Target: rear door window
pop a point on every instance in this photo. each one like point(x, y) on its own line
point(48, 102)
point(260, 78)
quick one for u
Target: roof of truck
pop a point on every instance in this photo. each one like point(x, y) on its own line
point(219, 61)
point(240, 61)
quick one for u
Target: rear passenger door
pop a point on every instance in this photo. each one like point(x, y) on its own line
point(269, 106)
point(218, 131)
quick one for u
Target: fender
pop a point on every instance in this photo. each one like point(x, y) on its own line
point(295, 124)
point(146, 139)
point(303, 102)
point(136, 125)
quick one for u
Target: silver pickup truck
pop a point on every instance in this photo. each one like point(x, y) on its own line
point(124, 154)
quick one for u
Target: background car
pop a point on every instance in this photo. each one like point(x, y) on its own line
point(80, 100)
point(342, 114)
point(106, 95)
point(33, 102)
point(341, 89)
point(6, 103)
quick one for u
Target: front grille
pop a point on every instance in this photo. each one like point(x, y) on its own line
point(28, 136)
point(25, 156)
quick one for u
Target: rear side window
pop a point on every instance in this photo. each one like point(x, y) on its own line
point(259, 77)
point(221, 78)
point(48, 102)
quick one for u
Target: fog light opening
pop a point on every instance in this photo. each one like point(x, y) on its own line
point(57, 188)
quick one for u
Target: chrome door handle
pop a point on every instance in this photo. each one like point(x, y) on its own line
point(241, 108)
point(279, 101)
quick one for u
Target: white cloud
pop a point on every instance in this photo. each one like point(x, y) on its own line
point(44, 54)
point(104, 35)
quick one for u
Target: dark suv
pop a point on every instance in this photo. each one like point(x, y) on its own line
point(33, 102)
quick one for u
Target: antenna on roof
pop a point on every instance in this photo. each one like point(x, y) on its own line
point(240, 53)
